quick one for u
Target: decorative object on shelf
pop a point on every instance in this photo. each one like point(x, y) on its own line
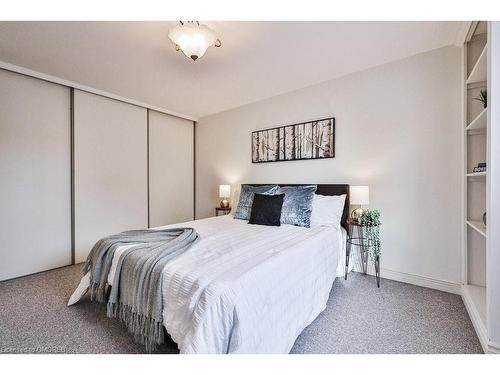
point(358, 195)
point(484, 218)
point(193, 39)
point(224, 193)
point(307, 140)
point(481, 167)
point(483, 98)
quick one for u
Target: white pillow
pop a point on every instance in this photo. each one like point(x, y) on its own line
point(327, 210)
point(235, 200)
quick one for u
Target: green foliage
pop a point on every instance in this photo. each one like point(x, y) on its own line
point(483, 98)
point(370, 219)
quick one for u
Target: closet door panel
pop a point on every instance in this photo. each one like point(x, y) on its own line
point(110, 169)
point(35, 175)
point(170, 169)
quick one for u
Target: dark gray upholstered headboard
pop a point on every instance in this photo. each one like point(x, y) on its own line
point(327, 189)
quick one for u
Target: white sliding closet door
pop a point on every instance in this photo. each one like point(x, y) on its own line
point(110, 169)
point(35, 175)
point(170, 169)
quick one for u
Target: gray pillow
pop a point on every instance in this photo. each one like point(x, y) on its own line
point(246, 199)
point(297, 205)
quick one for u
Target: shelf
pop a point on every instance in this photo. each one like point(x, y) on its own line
point(478, 73)
point(476, 174)
point(479, 122)
point(477, 226)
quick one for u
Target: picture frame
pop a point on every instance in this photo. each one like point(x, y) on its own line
point(301, 141)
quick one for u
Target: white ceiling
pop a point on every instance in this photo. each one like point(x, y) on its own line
point(257, 59)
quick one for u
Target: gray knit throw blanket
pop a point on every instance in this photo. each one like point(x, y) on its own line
point(136, 294)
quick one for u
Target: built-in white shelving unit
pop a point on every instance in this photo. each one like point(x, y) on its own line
point(477, 292)
point(479, 71)
point(479, 121)
point(477, 226)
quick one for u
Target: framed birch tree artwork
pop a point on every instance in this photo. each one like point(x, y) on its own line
point(307, 140)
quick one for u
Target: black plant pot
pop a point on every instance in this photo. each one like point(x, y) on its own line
point(377, 271)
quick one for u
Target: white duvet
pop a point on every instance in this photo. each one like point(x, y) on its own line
point(248, 288)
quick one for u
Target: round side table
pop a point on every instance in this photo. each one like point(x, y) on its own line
point(356, 236)
point(224, 210)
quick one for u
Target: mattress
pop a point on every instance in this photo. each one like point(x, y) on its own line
point(248, 288)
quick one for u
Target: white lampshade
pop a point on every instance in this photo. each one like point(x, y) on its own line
point(359, 195)
point(193, 39)
point(224, 191)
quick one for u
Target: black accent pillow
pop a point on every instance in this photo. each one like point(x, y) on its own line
point(266, 209)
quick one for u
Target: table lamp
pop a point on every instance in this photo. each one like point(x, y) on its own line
point(224, 193)
point(359, 195)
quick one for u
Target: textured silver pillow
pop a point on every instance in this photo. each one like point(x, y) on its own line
point(246, 199)
point(297, 205)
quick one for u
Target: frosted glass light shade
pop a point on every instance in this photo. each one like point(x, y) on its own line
point(359, 195)
point(224, 191)
point(193, 39)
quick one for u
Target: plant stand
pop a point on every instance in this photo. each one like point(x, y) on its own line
point(356, 236)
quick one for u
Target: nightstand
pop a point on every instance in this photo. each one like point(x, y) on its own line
point(224, 210)
point(357, 236)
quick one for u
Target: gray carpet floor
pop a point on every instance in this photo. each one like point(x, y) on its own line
point(359, 318)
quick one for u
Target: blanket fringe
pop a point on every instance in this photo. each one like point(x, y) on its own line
point(146, 330)
point(136, 298)
point(98, 293)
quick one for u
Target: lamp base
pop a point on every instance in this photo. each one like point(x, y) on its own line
point(224, 203)
point(356, 213)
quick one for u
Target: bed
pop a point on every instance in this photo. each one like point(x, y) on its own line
point(250, 288)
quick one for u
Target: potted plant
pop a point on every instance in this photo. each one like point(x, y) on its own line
point(370, 220)
point(483, 98)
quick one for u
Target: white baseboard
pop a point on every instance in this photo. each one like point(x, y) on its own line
point(427, 282)
point(476, 320)
point(493, 347)
point(424, 281)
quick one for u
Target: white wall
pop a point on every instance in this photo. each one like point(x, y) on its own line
point(398, 130)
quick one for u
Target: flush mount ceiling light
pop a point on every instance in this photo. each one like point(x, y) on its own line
point(193, 39)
